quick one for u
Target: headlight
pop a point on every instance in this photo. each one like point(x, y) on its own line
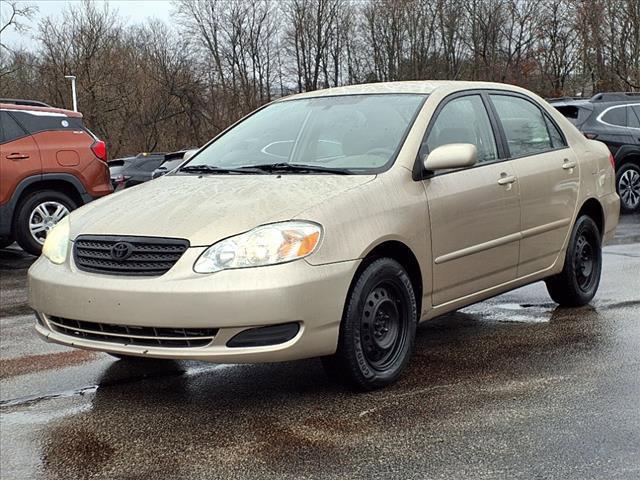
point(57, 242)
point(265, 245)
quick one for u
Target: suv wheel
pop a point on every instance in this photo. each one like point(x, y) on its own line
point(628, 185)
point(37, 215)
point(378, 328)
point(578, 282)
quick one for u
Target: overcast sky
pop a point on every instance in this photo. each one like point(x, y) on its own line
point(134, 11)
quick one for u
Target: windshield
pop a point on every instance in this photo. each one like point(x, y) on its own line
point(354, 133)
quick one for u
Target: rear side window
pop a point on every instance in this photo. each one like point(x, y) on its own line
point(557, 140)
point(633, 116)
point(463, 120)
point(636, 110)
point(44, 121)
point(9, 129)
point(524, 125)
point(575, 114)
point(145, 164)
point(616, 116)
point(569, 111)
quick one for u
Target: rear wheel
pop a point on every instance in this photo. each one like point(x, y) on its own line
point(628, 185)
point(37, 215)
point(378, 328)
point(578, 282)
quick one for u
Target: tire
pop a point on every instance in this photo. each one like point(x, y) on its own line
point(33, 209)
point(578, 282)
point(628, 187)
point(373, 353)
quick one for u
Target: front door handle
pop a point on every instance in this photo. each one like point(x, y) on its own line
point(17, 156)
point(568, 164)
point(506, 179)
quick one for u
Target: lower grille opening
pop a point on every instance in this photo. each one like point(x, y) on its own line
point(134, 335)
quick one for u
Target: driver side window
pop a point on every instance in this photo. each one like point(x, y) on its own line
point(463, 120)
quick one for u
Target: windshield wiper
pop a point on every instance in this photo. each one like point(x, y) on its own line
point(211, 169)
point(297, 168)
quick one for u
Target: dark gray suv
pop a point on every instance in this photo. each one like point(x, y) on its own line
point(614, 119)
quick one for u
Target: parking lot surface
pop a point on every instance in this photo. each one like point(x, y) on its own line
point(512, 387)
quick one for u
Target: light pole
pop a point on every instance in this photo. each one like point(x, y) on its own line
point(73, 91)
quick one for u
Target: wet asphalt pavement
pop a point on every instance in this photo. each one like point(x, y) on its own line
point(512, 387)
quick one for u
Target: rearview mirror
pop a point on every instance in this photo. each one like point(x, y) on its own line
point(188, 154)
point(452, 155)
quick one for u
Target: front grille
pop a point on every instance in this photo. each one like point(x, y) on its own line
point(134, 335)
point(150, 256)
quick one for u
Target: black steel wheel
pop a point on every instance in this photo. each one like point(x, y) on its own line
point(578, 282)
point(378, 327)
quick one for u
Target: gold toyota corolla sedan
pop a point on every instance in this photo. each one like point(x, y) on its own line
point(329, 224)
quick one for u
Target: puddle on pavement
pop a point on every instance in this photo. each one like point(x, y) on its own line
point(514, 312)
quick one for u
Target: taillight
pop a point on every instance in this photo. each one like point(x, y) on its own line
point(612, 160)
point(591, 136)
point(99, 149)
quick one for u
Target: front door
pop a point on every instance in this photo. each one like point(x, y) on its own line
point(475, 212)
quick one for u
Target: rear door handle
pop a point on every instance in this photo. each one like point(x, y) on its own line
point(17, 156)
point(506, 179)
point(568, 164)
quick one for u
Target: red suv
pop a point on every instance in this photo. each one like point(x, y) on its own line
point(50, 164)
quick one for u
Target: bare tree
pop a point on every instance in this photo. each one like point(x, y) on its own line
point(13, 15)
point(558, 44)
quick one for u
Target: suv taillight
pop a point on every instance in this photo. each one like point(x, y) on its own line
point(99, 149)
point(612, 160)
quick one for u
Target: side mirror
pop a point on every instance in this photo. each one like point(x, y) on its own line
point(452, 155)
point(188, 154)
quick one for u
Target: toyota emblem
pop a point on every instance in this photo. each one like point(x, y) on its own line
point(121, 251)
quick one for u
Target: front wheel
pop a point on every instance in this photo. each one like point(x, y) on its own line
point(578, 282)
point(378, 328)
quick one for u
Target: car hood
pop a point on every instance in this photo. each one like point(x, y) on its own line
point(205, 209)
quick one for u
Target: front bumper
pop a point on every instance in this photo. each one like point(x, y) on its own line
point(611, 206)
point(230, 301)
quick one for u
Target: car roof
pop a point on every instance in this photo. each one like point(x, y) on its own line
point(39, 110)
point(413, 86)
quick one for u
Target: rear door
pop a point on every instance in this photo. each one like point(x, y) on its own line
point(19, 156)
point(474, 212)
point(548, 174)
point(63, 141)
